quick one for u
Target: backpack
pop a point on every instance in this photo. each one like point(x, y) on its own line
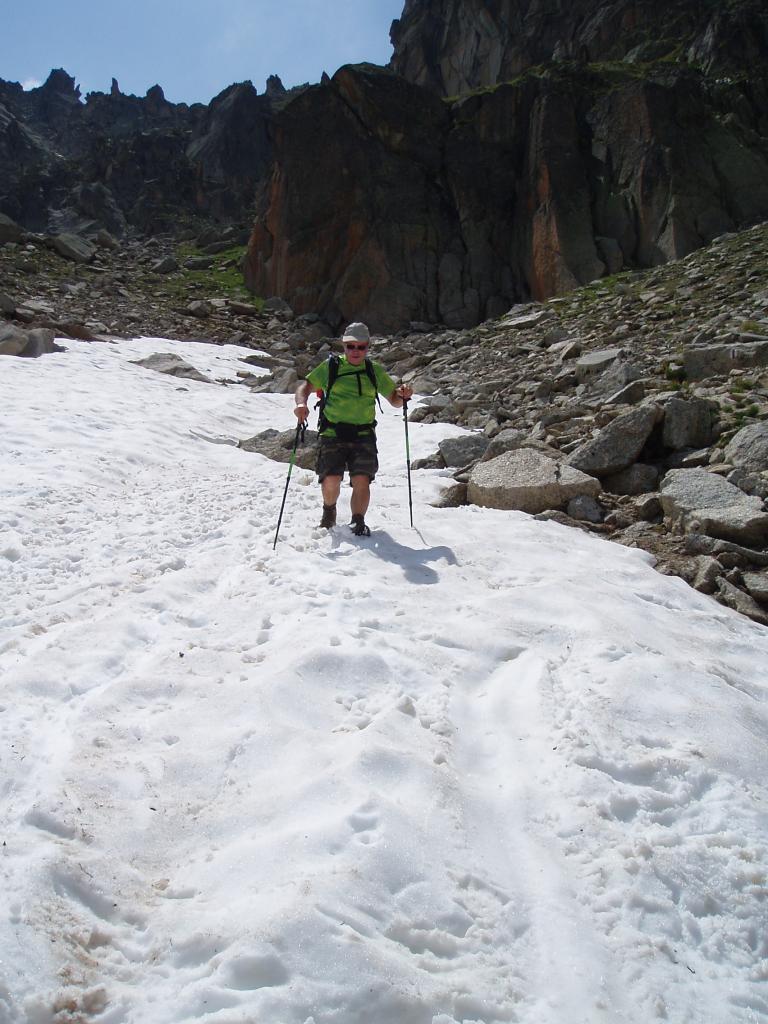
point(348, 429)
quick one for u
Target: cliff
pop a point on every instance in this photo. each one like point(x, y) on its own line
point(389, 203)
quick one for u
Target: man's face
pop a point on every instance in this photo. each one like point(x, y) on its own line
point(355, 351)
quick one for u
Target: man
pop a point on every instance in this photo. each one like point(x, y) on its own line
point(347, 423)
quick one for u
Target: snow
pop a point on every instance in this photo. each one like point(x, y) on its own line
point(485, 770)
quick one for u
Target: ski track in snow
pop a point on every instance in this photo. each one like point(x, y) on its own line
point(488, 770)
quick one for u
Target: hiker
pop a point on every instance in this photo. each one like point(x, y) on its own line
point(351, 385)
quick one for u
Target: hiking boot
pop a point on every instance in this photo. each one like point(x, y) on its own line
point(358, 527)
point(329, 517)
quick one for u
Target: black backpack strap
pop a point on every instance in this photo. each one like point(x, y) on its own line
point(372, 377)
point(333, 373)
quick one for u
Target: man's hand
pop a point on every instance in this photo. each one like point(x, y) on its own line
point(301, 412)
point(404, 392)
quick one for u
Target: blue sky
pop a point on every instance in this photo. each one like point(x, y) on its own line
point(192, 48)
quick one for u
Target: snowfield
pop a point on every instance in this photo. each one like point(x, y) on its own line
point(486, 770)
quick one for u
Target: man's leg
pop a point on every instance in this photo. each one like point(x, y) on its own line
point(361, 494)
point(331, 486)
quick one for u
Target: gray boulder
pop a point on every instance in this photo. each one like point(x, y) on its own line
point(749, 448)
point(696, 501)
point(460, 451)
point(278, 445)
point(527, 481)
point(40, 342)
point(617, 445)
point(74, 248)
point(200, 309)
point(713, 360)
point(166, 265)
point(173, 365)
point(689, 423)
point(28, 344)
point(7, 305)
point(13, 340)
point(594, 363)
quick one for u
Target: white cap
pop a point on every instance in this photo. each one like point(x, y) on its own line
point(356, 332)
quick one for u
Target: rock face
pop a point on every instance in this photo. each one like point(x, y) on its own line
point(115, 161)
point(417, 209)
point(455, 46)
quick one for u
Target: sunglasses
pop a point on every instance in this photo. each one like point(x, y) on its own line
point(355, 348)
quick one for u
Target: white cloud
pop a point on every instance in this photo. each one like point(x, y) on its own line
point(30, 83)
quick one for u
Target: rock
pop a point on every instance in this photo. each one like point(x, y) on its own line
point(460, 451)
point(277, 305)
point(7, 305)
point(173, 365)
point(200, 309)
point(630, 394)
point(585, 509)
point(708, 571)
point(9, 230)
point(757, 585)
point(278, 445)
point(505, 441)
point(594, 363)
point(198, 263)
point(635, 479)
point(689, 423)
point(527, 481)
point(649, 508)
point(750, 483)
point(519, 320)
point(748, 448)
point(28, 344)
point(13, 340)
point(40, 342)
point(695, 500)
point(242, 308)
point(617, 445)
point(709, 361)
point(452, 497)
point(74, 248)
point(741, 602)
point(166, 265)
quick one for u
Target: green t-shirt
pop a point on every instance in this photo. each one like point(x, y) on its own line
point(352, 398)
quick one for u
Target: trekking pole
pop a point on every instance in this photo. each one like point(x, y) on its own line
point(301, 429)
point(408, 459)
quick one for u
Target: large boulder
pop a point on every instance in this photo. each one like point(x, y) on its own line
point(13, 340)
point(695, 501)
point(278, 445)
point(617, 445)
point(73, 247)
point(173, 365)
point(689, 423)
point(712, 360)
point(527, 481)
point(749, 448)
point(30, 344)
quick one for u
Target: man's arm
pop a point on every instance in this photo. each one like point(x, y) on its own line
point(302, 393)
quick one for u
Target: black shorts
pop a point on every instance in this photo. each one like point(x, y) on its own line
point(358, 457)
